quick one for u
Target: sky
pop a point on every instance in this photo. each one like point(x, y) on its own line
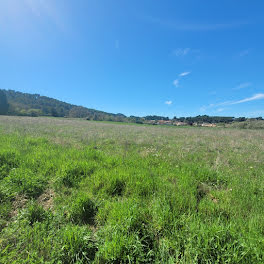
point(140, 57)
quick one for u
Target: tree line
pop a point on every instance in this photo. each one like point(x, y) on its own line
point(210, 119)
point(24, 104)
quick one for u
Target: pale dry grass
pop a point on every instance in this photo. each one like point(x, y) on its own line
point(217, 147)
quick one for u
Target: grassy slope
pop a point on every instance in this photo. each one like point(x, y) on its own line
point(249, 124)
point(74, 191)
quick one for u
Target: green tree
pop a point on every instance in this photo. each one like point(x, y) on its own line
point(3, 103)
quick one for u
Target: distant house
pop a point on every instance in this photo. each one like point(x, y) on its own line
point(164, 122)
point(179, 123)
point(208, 125)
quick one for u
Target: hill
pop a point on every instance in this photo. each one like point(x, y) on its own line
point(25, 104)
point(249, 124)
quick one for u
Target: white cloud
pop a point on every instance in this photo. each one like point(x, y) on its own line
point(176, 83)
point(180, 52)
point(168, 102)
point(243, 85)
point(184, 74)
point(248, 99)
point(252, 98)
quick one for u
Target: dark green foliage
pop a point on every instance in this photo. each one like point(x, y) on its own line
point(154, 117)
point(3, 103)
point(36, 105)
point(207, 119)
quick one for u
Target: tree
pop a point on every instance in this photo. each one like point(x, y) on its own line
point(54, 112)
point(3, 103)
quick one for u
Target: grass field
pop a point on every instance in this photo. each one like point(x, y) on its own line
point(75, 191)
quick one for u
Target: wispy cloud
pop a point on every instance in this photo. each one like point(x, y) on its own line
point(219, 110)
point(181, 52)
point(252, 98)
point(184, 74)
point(192, 55)
point(176, 83)
point(168, 102)
point(194, 26)
point(255, 97)
point(243, 85)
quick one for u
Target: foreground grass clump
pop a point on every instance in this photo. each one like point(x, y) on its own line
point(82, 210)
point(131, 200)
point(23, 181)
point(8, 161)
point(35, 213)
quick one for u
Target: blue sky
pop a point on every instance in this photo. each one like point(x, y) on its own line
point(137, 57)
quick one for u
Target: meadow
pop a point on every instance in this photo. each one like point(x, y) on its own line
point(77, 191)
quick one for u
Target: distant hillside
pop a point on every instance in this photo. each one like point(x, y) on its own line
point(25, 104)
point(249, 124)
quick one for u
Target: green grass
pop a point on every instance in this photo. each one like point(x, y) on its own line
point(73, 191)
